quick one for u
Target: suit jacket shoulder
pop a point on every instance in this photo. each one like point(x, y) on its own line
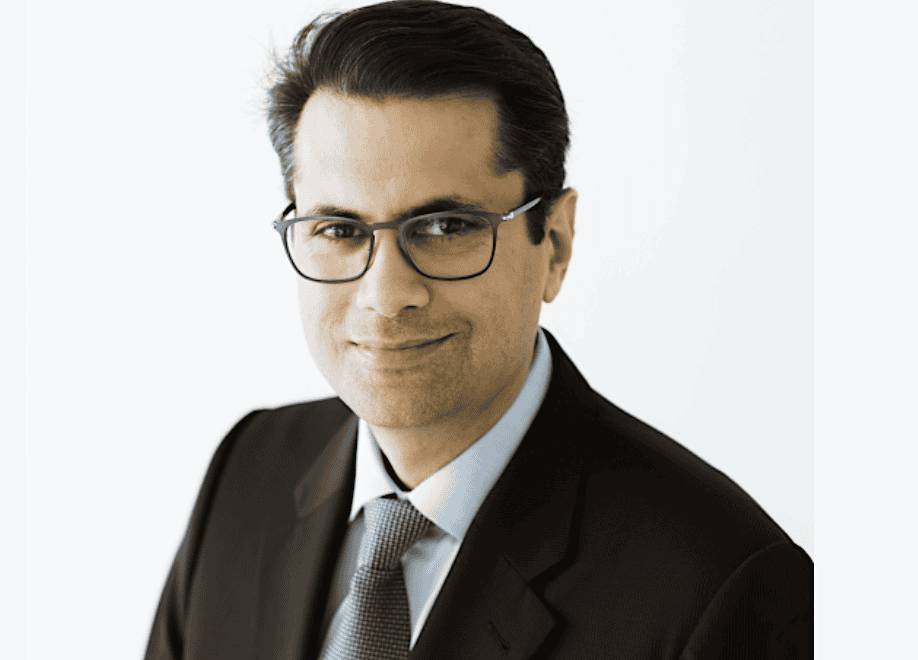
point(248, 498)
point(662, 489)
point(679, 559)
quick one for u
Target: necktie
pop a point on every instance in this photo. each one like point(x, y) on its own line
point(376, 622)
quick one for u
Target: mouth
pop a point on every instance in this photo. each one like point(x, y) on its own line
point(402, 345)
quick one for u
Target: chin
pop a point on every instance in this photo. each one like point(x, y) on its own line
point(402, 407)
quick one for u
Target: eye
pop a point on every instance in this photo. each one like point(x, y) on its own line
point(447, 226)
point(337, 230)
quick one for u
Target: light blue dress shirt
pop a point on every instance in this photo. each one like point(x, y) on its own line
point(450, 497)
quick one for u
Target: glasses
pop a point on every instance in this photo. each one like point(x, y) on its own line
point(446, 245)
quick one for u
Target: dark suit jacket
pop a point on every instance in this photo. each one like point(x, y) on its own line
point(603, 538)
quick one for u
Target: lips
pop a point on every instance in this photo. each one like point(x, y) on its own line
point(400, 345)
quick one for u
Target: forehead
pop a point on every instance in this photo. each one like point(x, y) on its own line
point(381, 155)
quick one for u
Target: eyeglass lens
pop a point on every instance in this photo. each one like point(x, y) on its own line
point(448, 246)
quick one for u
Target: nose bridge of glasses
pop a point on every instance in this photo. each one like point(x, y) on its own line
point(396, 237)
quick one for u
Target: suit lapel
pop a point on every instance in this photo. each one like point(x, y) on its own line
point(299, 552)
point(489, 605)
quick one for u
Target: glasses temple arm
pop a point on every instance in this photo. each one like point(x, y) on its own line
point(522, 209)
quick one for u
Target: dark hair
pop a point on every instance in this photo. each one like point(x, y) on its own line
point(420, 49)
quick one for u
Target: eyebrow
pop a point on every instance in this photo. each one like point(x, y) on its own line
point(436, 205)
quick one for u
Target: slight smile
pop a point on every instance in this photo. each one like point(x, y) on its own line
point(404, 345)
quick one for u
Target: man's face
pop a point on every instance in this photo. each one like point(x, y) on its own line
point(400, 349)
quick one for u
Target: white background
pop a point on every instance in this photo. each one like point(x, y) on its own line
point(161, 308)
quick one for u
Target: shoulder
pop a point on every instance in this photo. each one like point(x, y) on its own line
point(293, 429)
point(269, 449)
point(674, 538)
point(646, 493)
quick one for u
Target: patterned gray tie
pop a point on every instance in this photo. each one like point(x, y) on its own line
point(376, 622)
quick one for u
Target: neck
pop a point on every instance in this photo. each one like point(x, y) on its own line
point(416, 453)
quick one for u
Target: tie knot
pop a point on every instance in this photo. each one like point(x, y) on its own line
point(392, 526)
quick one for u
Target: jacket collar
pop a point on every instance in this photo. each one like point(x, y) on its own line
point(332, 473)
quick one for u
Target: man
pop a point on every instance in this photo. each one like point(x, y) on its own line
point(467, 495)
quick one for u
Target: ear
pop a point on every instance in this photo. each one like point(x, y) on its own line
point(559, 241)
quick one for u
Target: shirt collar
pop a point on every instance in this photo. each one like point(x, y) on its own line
point(452, 495)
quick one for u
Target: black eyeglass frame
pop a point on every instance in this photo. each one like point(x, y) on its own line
point(495, 219)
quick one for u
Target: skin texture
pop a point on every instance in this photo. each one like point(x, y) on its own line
point(377, 158)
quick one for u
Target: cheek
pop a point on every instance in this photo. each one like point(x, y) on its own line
point(322, 310)
point(520, 277)
point(505, 303)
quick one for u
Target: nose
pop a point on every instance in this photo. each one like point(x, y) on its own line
point(391, 286)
